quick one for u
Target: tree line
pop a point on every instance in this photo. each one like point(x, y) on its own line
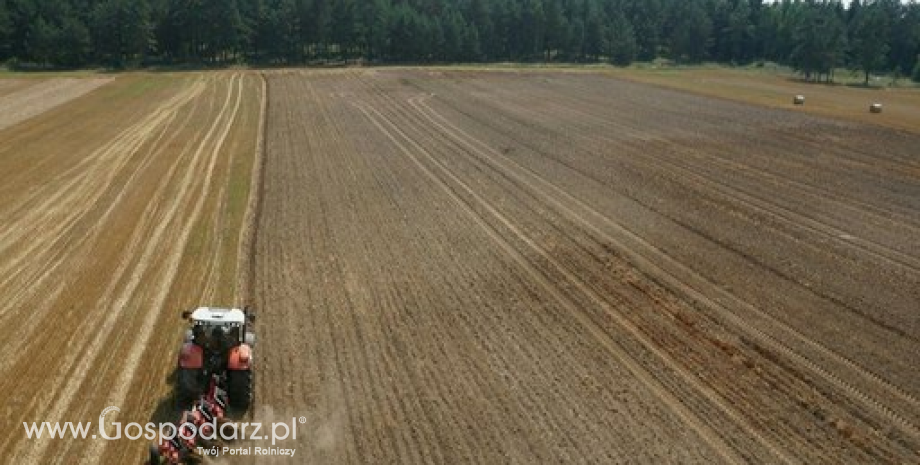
point(813, 36)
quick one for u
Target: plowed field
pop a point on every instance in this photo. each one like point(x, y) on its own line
point(542, 267)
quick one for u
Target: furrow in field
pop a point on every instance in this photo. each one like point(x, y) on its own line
point(712, 439)
point(820, 354)
point(863, 312)
point(842, 362)
point(512, 271)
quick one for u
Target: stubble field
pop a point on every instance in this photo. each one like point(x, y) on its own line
point(120, 207)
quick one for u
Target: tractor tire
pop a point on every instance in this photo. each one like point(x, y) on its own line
point(239, 389)
point(193, 458)
point(154, 458)
point(189, 386)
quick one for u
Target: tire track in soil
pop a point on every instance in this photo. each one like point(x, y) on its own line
point(176, 241)
point(142, 259)
point(75, 252)
point(618, 302)
point(409, 406)
point(575, 434)
point(136, 259)
point(759, 203)
point(713, 440)
point(838, 358)
point(401, 299)
point(712, 396)
point(69, 205)
point(587, 98)
point(633, 133)
point(418, 103)
point(342, 344)
point(862, 156)
point(776, 169)
point(249, 233)
point(209, 292)
point(313, 169)
point(882, 381)
point(772, 340)
point(774, 210)
point(535, 409)
point(279, 381)
point(48, 357)
point(871, 314)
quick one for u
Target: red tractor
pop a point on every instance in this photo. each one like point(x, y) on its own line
point(219, 343)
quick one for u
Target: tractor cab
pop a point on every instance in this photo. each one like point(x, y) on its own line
point(230, 324)
point(219, 341)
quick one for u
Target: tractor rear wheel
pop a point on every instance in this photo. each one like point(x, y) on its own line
point(189, 386)
point(239, 388)
point(154, 458)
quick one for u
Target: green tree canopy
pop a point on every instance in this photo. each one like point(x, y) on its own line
point(813, 36)
point(870, 34)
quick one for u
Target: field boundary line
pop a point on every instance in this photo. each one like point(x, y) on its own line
point(246, 260)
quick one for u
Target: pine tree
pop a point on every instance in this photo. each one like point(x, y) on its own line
point(870, 33)
point(555, 29)
point(819, 39)
point(647, 19)
point(453, 30)
point(621, 42)
point(120, 30)
point(916, 74)
point(41, 40)
point(739, 33)
point(72, 43)
point(691, 32)
point(532, 29)
point(5, 32)
point(594, 20)
point(344, 27)
point(374, 27)
point(225, 32)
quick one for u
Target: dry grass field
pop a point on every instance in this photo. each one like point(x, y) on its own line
point(777, 90)
point(120, 207)
point(458, 265)
point(22, 100)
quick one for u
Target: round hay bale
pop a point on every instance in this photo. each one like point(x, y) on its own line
point(799, 100)
point(875, 108)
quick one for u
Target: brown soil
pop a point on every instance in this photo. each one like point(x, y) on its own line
point(564, 267)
